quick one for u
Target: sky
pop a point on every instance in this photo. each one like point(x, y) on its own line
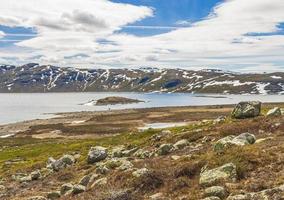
point(236, 35)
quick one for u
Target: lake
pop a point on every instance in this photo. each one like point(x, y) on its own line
point(17, 107)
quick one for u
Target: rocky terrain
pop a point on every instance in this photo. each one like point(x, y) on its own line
point(236, 156)
point(35, 78)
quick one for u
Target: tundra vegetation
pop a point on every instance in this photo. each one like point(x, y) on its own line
point(214, 157)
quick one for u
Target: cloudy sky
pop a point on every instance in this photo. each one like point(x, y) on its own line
point(239, 35)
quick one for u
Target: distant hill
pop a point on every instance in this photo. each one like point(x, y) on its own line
point(35, 78)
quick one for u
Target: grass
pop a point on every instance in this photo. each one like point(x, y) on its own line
point(36, 152)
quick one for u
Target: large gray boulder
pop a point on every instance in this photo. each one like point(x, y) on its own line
point(240, 140)
point(274, 112)
point(246, 109)
point(96, 154)
point(223, 174)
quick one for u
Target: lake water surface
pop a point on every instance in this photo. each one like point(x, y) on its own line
point(19, 107)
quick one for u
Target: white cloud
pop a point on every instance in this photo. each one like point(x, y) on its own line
point(2, 34)
point(67, 28)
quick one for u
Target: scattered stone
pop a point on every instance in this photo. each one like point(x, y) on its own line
point(142, 154)
point(157, 196)
point(102, 169)
point(119, 195)
point(77, 189)
point(85, 180)
point(220, 119)
point(99, 182)
point(159, 136)
point(140, 172)
point(274, 112)
point(181, 144)
point(212, 198)
point(216, 191)
point(117, 152)
point(66, 188)
point(128, 153)
point(246, 109)
point(241, 140)
point(165, 149)
point(96, 154)
point(35, 175)
point(53, 195)
point(37, 198)
point(274, 193)
point(225, 173)
point(61, 163)
point(22, 177)
point(126, 165)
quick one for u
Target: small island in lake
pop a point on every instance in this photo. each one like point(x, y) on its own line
point(116, 100)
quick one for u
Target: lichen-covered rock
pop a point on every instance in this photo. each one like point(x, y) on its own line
point(22, 177)
point(216, 191)
point(53, 195)
point(241, 140)
point(77, 189)
point(61, 163)
point(246, 109)
point(66, 188)
point(35, 175)
point(225, 173)
point(96, 154)
point(181, 144)
point(273, 194)
point(274, 112)
point(142, 154)
point(165, 149)
point(85, 180)
point(140, 172)
point(117, 152)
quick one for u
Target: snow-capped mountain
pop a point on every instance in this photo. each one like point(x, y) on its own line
point(35, 78)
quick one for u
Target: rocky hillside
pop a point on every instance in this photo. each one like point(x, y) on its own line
point(36, 78)
point(237, 157)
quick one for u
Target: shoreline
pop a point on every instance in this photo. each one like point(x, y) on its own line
point(113, 121)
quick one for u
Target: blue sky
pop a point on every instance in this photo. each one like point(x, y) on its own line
point(237, 35)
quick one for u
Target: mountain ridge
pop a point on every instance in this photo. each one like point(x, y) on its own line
point(33, 77)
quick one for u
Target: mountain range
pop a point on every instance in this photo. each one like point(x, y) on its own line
point(33, 77)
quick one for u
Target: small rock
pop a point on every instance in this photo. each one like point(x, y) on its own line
point(66, 188)
point(142, 154)
point(225, 173)
point(125, 165)
point(212, 198)
point(238, 197)
point(96, 154)
point(241, 140)
point(35, 175)
point(53, 195)
point(216, 191)
point(37, 198)
point(117, 152)
point(165, 149)
point(181, 144)
point(61, 163)
point(85, 180)
point(77, 189)
point(99, 182)
point(274, 112)
point(157, 196)
point(140, 172)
